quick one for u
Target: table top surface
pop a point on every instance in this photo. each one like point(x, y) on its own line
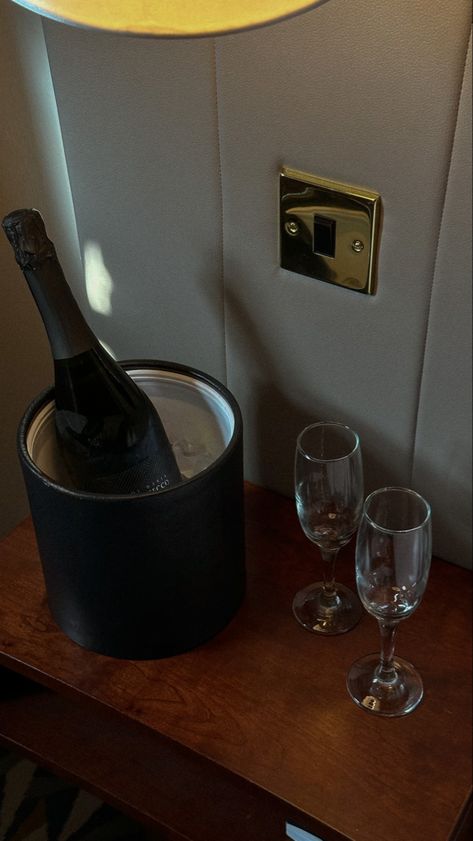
point(267, 700)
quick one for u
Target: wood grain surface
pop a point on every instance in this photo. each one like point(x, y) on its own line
point(260, 715)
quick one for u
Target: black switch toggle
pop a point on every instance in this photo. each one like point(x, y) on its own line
point(324, 236)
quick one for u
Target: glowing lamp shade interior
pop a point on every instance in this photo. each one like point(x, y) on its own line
point(169, 18)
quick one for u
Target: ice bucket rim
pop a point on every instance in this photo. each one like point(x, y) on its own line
point(47, 394)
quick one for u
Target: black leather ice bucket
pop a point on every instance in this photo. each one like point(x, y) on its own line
point(145, 575)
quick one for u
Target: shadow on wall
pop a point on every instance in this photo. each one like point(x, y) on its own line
point(449, 495)
point(33, 175)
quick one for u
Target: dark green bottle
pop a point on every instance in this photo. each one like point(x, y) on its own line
point(111, 436)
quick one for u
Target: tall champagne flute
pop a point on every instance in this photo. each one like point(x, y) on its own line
point(393, 557)
point(329, 499)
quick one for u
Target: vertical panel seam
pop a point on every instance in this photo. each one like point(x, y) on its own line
point(221, 203)
point(435, 263)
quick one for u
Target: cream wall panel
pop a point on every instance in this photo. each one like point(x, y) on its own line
point(139, 125)
point(360, 93)
point(32, 173)
point(174, 176)
point(442, 457)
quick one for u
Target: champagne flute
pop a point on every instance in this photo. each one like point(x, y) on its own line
point(329, 499)
point(393, 557)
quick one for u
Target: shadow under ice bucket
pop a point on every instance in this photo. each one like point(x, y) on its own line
point(145, 575)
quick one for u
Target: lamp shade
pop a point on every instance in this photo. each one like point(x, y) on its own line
point(169, 18)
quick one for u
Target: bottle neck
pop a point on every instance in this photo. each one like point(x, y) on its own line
point(68, 332)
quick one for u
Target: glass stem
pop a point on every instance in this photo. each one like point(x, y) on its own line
point(386, 671)
point(329, 557)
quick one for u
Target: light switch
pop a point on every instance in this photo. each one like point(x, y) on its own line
point(329, 231)
point(325, 232)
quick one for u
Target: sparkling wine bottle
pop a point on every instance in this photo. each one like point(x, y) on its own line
point(110, 435)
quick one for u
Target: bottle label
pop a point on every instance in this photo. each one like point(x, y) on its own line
point(157, 485)
point(145, 477)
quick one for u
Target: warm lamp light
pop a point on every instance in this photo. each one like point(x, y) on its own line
point(169, 18)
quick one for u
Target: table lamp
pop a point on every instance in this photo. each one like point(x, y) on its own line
point(168, 19)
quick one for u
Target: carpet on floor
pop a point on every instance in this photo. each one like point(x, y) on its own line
point(37, 806)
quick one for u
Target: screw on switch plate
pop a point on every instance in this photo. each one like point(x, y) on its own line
point(329, 231)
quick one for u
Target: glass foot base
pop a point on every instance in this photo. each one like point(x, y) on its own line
point(320, 615)
point(394, 698)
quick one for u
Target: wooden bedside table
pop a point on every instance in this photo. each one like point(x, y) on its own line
point(255, 728)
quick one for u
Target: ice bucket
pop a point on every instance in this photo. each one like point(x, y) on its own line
point(145, 575)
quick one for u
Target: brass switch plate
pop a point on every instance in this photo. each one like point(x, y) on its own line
point(329, 231)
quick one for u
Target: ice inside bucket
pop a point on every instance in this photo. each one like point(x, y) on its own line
point(198, 420)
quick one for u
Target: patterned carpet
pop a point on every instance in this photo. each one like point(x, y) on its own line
point(37, 806)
